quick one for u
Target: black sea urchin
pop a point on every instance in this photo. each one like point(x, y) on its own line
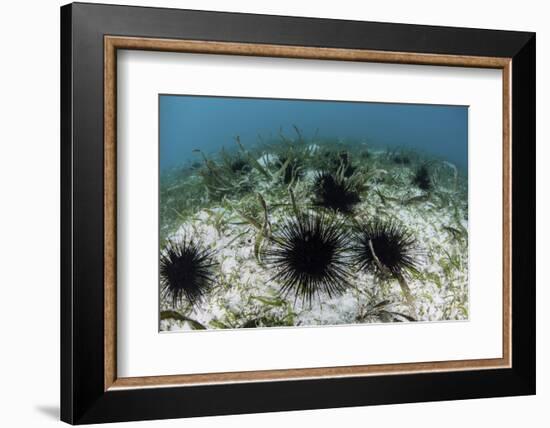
point(422, 178)
point(186, 271)
point(335, 193)
point(239, 166)
point(309, 256)
point(395, 249)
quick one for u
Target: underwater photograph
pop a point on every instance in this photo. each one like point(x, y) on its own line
point(302, 213)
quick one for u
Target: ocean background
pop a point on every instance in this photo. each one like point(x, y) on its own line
point(210, 123)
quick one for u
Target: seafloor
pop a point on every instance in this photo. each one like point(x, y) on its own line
point(225, 202)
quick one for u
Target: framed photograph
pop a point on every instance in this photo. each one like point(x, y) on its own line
point(266, 213)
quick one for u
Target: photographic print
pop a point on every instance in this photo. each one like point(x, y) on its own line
point(302, 213)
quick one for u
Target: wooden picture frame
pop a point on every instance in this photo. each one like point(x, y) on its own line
point(91, 390)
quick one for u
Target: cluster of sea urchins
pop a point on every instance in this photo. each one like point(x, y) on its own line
point(312, 254)
point(186, 271)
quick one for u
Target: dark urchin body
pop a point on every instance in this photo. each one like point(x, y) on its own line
point(334, 193)
point(395, 249)
point(240, 166)
point(309, 256)
point(422, 178)
point(186, 271)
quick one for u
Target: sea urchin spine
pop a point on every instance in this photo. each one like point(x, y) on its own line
point(186, 271)
point(309, 256)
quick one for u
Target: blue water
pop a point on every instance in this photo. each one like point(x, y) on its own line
point(208, 123)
